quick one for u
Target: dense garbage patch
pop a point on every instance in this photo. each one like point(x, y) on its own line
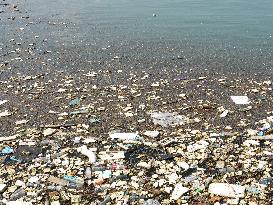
point(121, 135)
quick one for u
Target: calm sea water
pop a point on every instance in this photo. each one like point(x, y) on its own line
point(236, 22)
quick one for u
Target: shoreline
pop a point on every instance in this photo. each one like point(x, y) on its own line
point(55, 100)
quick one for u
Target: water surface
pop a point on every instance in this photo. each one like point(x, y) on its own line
point(237, 22)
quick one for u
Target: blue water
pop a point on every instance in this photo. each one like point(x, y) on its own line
point(237, 22)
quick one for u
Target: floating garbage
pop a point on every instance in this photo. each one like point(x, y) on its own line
point(240, 100)
point(88, 173)
point(17, 203)
point(133, 154)
point(264, 129)
point(3, 187)
point(74, 102)
point(151, 202)
point(154, 129)
point(7, 150)
point(125, 136)
point(253, 190)
point(94, 121)
point(2, 102)
point(49, 131)
point(73, 179)
point(80, 111)
point(224, 114)
point(266, 181)
point(166, 119)
point(9, 138)
point(87, 152)
point(227, 190)
point(178, 191)
point(19, 193)
point(57, 180)
point(5, 113)
point(25, 154)
point(151, 133)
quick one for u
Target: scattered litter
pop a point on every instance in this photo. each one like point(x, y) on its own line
point(151, 133)
point(267, 137)
point(253, 190)
point(33, 179)
point(228, 190)
point(111, 155)
point(266, 181)
point(106, 127)
point(13, 137)
point(74, 181)
point(17, 203)
point(178, 191)
point(79, 111)
point(5, 113)
point(85, 151)
point(94, 120)
point(133, 154)
point(224, 114)
point(25, 154)
point(125, 136)
point(166, 119)
point(19, 193)
point(57, 180)
point(151, 202)
point(7, 150)
point(2, 187)
point(2, 102)
point(240, 100)
point(49, 131)
point(20, 122)
point(74, 102)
